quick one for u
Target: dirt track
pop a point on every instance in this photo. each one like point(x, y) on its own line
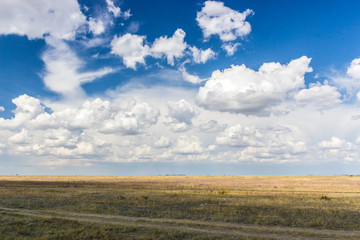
point(195, 226)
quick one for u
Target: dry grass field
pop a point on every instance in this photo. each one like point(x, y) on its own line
point(179, 207)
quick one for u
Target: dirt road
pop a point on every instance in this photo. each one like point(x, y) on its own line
point(243, 230)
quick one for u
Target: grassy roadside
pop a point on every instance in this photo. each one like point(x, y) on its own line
point(311, 202)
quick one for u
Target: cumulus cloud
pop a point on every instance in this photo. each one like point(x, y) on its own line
point(27, 108)
point(132, 119)
point(163, 142)
point(321, 96)
point(63, 69)
point(230, 48)
point(335, 143)
point(188, 145)
point(242, 90)
point(354, 69)
point(211, 126)
point(2, 109)
point(191, 78)
point(97, 26)
point(180, 114)
point(36, 19)
point(21, 137)
point(116, 11)
point(276, 144)
point(171, 47)
point(94, 128)
point(201, 56)
point(217, 19)
point(131, 48)
point(349, 83)
point(238, 136)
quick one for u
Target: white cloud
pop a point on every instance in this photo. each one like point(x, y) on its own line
point(201, 56)
point(188, 145)
point(27, 108)
point(277, 144)
point(242, 90)
point(172, 47)
point(321, 96)
point(163, 142)
point(116, 11)
point(131, 48)
point(131, 119)
point(96, 26)
point(181, 114)
point(194, 79)
point(2, 109)
point(230, 48)
point(62, 74)
point(35, 19)
point(335, 143)
point(350, 82)
point(111, 8)
point(119, 129)
point(211, 126)
point(216, 19)
point(96, 128)
point(21, 137)
point(354, 69)
point(238, 136)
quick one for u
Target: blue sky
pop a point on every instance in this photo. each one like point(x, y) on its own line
point(194, 87)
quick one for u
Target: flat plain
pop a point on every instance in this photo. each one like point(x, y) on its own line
point(179, 207)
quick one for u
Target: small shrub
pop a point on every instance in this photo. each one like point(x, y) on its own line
point(222, 192)
point(324, 197)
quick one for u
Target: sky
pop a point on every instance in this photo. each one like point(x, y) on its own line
point(179, 87)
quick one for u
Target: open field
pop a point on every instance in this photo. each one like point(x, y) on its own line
point(179, 207)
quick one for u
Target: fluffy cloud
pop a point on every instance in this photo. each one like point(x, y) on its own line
point(211, 126)
point(238, 136)
point(335, 143)
point(131, 48)
point(97, 26)
point(181, 114)
point(321, 96)
point(349, 83)
point(276, 144)
point(163, 142)
point(216, 19)
point(63, 69)
point(35, 19)
point(94, 128)
point(27, 108)
point(132, 119)
point(337, 148)
point(116, 11)
point(188, 145)
point(354, 69)
point(172, 47)
point(242, 90)
point(201, 56)
point(191, 78)
point(104, 116)
point(230, 48)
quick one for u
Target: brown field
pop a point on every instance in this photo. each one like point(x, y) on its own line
point(179, 207)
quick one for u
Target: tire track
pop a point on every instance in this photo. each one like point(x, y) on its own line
point(223, 228)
